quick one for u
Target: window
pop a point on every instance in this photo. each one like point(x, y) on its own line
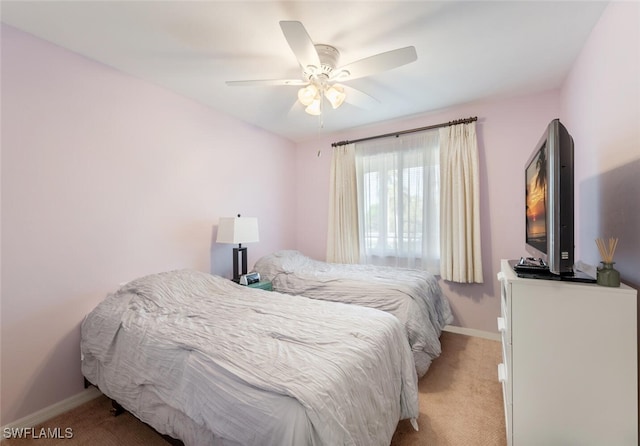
point(399, 201)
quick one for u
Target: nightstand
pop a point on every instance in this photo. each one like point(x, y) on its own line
point(263, 285)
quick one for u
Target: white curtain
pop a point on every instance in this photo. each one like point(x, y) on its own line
point(398, 199)
point(342, 239)
point(460, 250)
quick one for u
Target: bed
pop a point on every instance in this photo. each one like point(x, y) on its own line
point(202, 359)
point(413, 296)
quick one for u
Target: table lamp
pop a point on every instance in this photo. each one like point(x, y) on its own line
point(238, 230)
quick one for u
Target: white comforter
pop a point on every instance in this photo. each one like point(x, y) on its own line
point(413, 296)
point(211, 362)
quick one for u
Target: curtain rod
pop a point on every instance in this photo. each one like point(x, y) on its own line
point(396, 134)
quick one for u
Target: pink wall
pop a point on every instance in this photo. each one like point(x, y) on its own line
point(106, 178)
point(508, 129)
point(601, 104)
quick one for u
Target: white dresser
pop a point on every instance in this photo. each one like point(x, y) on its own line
point(569, 370)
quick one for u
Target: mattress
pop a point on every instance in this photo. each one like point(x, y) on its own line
point(413, 296)
point(210, 362)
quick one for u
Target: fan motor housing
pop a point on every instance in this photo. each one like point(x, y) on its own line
point(328, 56)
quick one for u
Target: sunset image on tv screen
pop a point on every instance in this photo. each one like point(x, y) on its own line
point(536, 199)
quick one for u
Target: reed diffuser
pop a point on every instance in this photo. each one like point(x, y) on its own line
point(607, 274)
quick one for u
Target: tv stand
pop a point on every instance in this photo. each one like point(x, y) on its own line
point(569, 362)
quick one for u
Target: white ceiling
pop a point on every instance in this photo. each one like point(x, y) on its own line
point(467, 51)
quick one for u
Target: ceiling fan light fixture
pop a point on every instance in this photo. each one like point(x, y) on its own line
point(306, 95)
point(335, 95)
point(321, 72)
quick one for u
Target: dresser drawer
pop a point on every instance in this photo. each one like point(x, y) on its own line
point(504, 375)
point(504, 338)
point(504, 322)
point(508, 416)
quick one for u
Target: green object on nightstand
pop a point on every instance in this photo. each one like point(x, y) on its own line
point(263, 285)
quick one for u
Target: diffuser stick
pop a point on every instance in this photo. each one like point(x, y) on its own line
point(607, 249)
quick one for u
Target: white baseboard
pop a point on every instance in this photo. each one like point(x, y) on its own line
point(55, 409)
point(473, 332)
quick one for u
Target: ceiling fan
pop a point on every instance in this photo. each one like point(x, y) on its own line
point(321, 75)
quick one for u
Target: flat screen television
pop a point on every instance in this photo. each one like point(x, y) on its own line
point(549, 208)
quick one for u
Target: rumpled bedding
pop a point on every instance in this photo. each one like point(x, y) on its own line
point(413, 296)
point(208, 361)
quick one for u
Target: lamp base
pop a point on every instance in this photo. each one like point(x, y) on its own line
point(239, 255)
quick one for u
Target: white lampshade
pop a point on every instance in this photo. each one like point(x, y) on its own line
point(237, 230)
point(315, 108)
point(307, 94)
point(335, 95)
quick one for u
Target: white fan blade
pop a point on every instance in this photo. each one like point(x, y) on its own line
point(359, 98)
point(300, 43)
point(266, 82)
point(378, 63)
point(295, 109)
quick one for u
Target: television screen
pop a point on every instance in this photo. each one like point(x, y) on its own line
point(536, 201)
